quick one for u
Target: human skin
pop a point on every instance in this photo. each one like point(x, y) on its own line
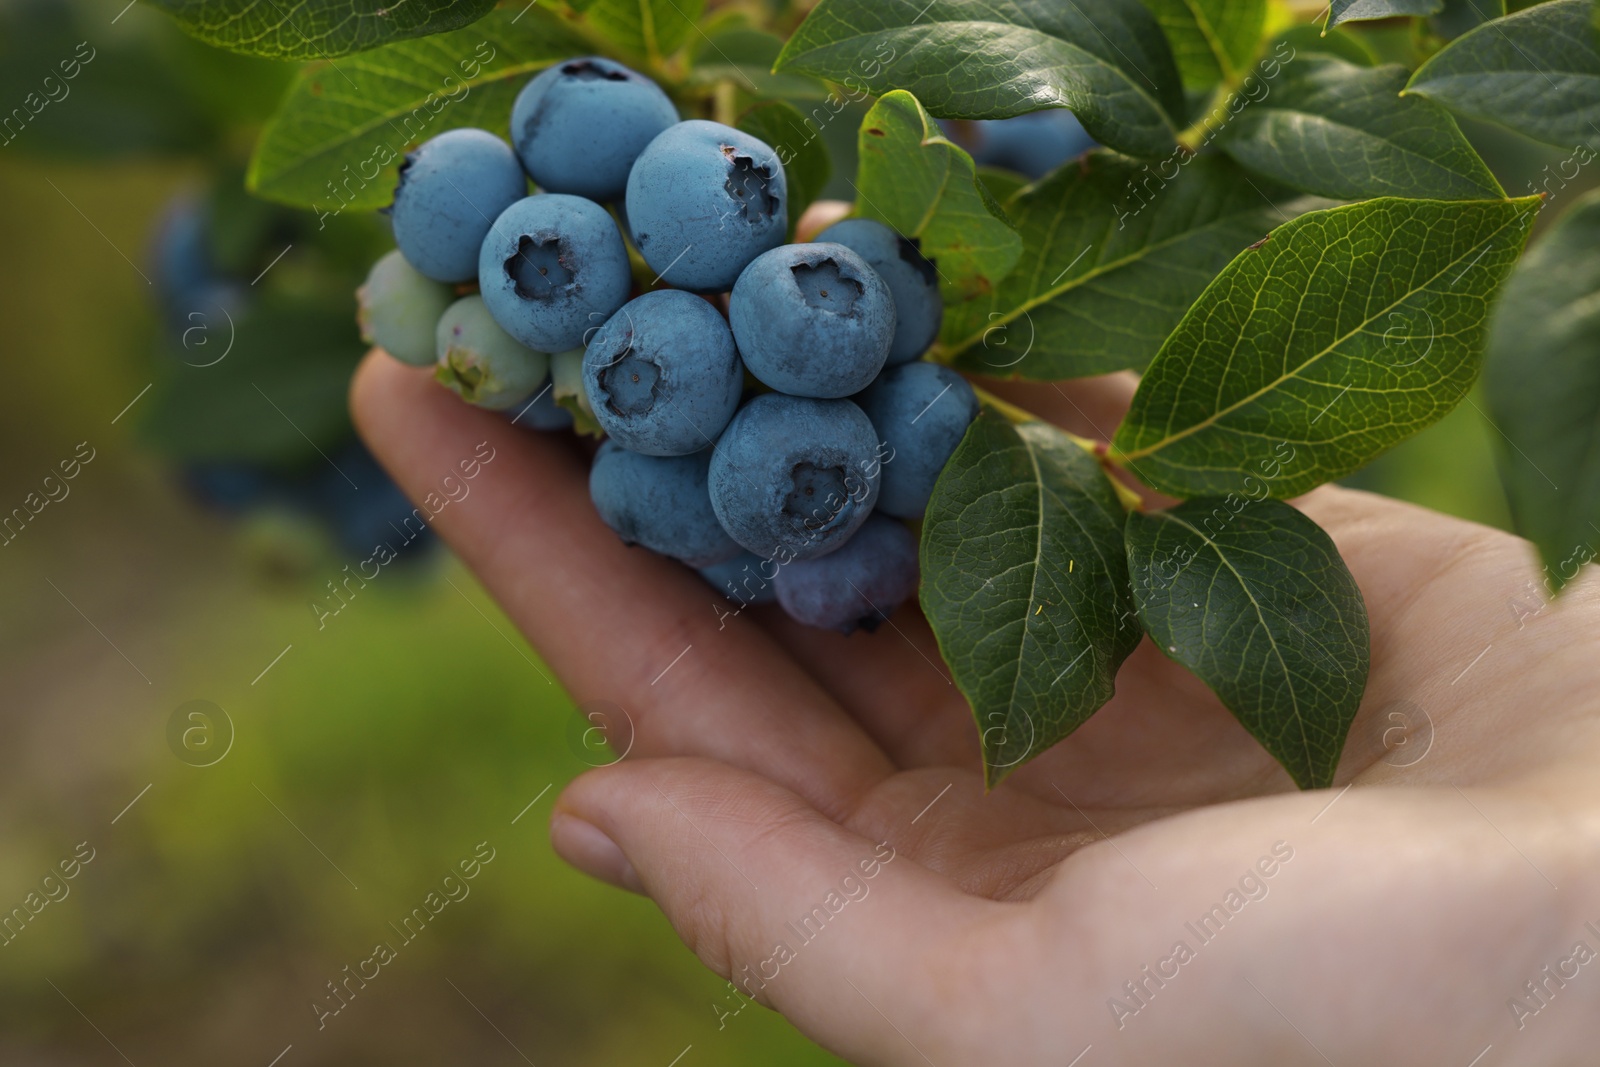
point(770, 760)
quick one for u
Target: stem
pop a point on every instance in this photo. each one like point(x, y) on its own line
point(1130, 500)
point(1017, 416)
point(726, 101)
point(1100, 450)
point(1195, 137)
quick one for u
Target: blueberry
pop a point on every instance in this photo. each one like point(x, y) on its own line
point(181, 255)
point(793, 477)
point(542, 412)
point(1034, 144)
point(662, 375)
point(480, 362)
point(451, 189)
point(377, 513)
point(228, 486)
point(218, 303)
point(553, 268)
point(399, 310)
point(659, 502)
point(912, 279)
point(743, 579)
point(704, 200)
point(579, 126)
point(859, 585)
point(812, 320)
point(920, 411)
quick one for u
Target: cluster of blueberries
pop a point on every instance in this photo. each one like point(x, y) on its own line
point(768, 418)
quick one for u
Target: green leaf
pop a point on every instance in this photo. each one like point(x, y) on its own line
point(1344, 131)
point(1253, 597)
point(1025, 584)
point(1002, 184)
point(746, 56)
point(1344, 333)
point(1461, 16)
point(271, 386)
point(649, 28)
point(317, 29)
point(804, 155)
point(924, 186)
point(1536, 72)
point(1363, 10)
point(1212, 40)
point(1542, 380)
point(339, 136)
point(993, 59)
point(1113, 255)
point(1309, 39)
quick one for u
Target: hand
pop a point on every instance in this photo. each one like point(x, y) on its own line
point(808, 811)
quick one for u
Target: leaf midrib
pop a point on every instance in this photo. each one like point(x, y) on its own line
point(1213, 418)
point(1037, 565)
point(1255, 605)
point(1090, 275)
point(1213, 42)
point(1033, 580)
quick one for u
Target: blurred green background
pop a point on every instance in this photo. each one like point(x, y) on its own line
point(366, 758)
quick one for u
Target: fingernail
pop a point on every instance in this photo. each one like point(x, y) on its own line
point(586, 847)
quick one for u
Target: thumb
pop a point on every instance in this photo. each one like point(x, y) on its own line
point(795, 910)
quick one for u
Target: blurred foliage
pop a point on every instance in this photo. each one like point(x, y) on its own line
point(152, 90)
point(206, 924)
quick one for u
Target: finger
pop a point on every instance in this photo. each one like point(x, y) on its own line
point(621, 625)
point(818, 217)
point(894, 682)
point(1089, 407)
point(1458, 613)
point(822, 923)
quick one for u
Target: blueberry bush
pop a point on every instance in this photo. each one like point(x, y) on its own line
point(1269, 211)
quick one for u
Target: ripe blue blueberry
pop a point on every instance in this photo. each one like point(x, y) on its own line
point(399, 308)
point(377, 515)
point(812, 320)
point(859, 585)
point(792, 477)
point(920, 411)
point(743, 579)
point(912, 279)
point(451, 189)
point(705, 199)
point(553, 268)
point(659, 502)
point(480, 362)
point(542, 412)
point(579, 126)
point(230, 486)
point(1033, 144)
point(188, 280)
point(662, 375)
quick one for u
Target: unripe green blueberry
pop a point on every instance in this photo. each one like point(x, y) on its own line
point(480, 362)
point(399, 308)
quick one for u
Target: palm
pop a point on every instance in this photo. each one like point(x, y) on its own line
point(768, 759)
